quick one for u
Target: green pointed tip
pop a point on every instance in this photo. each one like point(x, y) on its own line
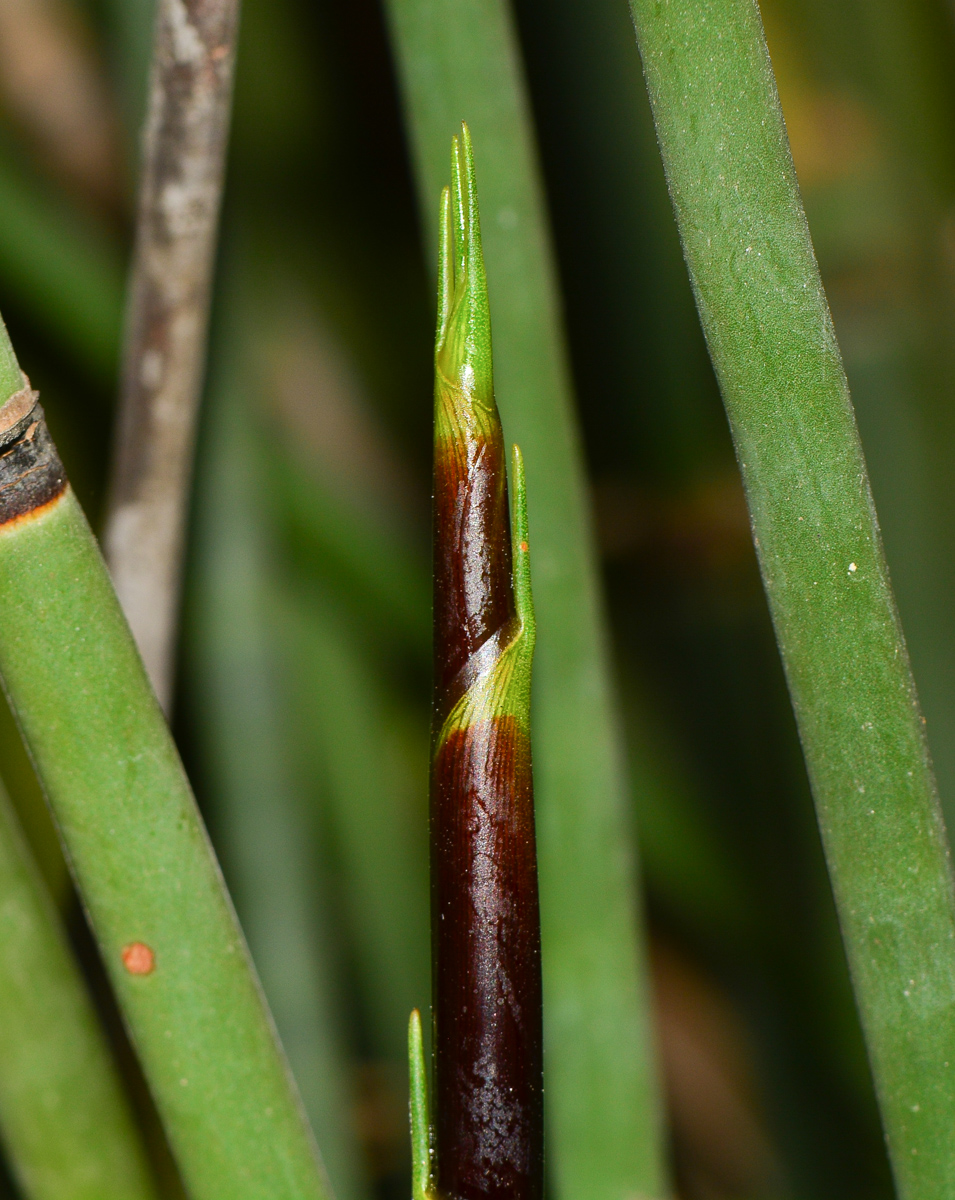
point(523, 598)
point(459, 210)
point(474, 253)
point(421, 1188)
point(445, 265)
point(463, 347)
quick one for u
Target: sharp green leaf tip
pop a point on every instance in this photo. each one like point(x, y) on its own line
point(463, 342)
point(458, 212)
point(420, 1117)
point(445, 266)
point(474, 253)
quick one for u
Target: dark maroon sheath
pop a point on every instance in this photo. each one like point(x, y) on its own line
point(484, 907)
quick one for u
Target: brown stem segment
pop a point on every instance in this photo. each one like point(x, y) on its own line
point(484, 907)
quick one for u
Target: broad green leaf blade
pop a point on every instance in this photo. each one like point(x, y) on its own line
point(771, 339)
point(459, 61)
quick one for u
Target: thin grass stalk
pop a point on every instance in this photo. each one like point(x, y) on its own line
point(130, 26)
point(147, 875)
point(61, 269)
point(380, 571)
point(66, 1125)
point(603, 1108)
point(770, 335)
point(341, 726)
point(264, 832)
point(186, 136)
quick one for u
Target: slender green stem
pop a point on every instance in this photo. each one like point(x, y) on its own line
point(148, 878)
point(66, 1124)
point(459, 60)
point(771, 339)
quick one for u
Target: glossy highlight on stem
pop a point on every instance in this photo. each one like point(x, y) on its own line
point(485, 916)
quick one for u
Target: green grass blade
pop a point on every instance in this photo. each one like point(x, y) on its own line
point(771, 339)
point(382, 574)
point(66, 1124)
point(261, 819)
point(60, 268)
point(459, 61)
point(342, 726)
point(147, 875)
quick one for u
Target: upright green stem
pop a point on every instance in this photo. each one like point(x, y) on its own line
point(148, 877)
point(459, 60)
point(766, 320)
point(65, 1123)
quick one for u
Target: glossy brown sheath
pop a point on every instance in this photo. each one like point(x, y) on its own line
point(488, 1120)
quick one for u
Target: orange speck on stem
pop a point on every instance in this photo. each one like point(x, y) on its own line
point(524, 546)
point(138, 959)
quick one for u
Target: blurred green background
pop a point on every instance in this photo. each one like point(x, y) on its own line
point(303, 699)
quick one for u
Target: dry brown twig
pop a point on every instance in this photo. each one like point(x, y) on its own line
point(167, 318)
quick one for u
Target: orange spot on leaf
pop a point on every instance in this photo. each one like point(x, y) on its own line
point(524, 546)
point(138, 959)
